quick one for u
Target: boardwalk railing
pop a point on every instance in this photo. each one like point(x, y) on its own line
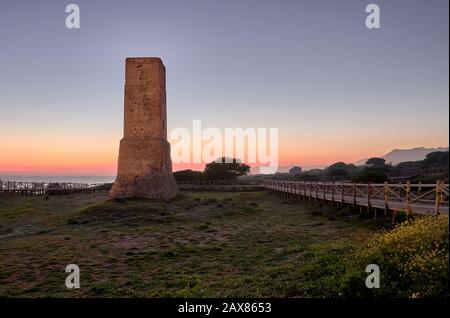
point(49, 188)
point(217, 185)
point(409, 172)
point(408, 197)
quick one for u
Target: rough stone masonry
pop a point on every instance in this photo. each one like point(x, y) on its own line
point(145, 167)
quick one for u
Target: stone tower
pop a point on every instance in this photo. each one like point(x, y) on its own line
point(145, 167)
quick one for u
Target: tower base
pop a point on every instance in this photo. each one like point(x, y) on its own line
point(140, 175)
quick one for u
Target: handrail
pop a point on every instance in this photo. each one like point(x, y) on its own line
point(408, 197)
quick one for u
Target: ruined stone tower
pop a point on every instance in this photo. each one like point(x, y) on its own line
point(145, 168)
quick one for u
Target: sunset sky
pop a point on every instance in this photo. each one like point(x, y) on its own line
point(336, 90)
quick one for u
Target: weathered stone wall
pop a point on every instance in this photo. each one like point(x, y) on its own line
point(145, 167)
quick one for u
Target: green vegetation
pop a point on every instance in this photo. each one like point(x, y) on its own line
point(295, 170)
point(209, 244)
point(436, 159)
point(189, 175)
point(375, 170)
point(221, 169)
point(433, 160)
point(376, 162)
point(338, 172)
point(413, 259)
point(372, 174)
point(226, 169)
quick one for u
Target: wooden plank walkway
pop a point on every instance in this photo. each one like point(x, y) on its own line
point(48, 188)
point(410, 198)
point(212, 187)
point(407, 197)
point(218, 185)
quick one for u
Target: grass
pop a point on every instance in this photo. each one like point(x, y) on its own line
point(201, 244)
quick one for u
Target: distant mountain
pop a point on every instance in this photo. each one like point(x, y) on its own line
point(401, 155)
point(394, 156)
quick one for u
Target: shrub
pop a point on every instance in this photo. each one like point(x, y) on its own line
point(226, 169)
point(376, 162)
point(374, 175)
point(413, 260)
point(338, 172)
point(188, 175)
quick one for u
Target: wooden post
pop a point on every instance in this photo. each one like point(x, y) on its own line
point(332, 193)
point(354, 195)
point(438, 198)
point(369, 194)
point(386, 207)
point(288, 190)
point(394, 217)
point(324, 191)
point(408, 199)
point(317, 193)
point(310, 191)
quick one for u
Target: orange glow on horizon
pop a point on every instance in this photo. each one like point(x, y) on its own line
point(97, 155)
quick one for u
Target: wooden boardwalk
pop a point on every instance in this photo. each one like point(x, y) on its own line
point(48, 188)
point(405, 173)
point(217, 185)
point(407, 197)
point(225, 188)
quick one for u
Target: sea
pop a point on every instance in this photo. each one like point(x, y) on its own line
point(60, 179)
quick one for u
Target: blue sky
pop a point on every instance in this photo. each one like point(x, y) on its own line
point(310, 68)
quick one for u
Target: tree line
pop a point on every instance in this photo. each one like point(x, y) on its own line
point(221, 169)
point(374, 170)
